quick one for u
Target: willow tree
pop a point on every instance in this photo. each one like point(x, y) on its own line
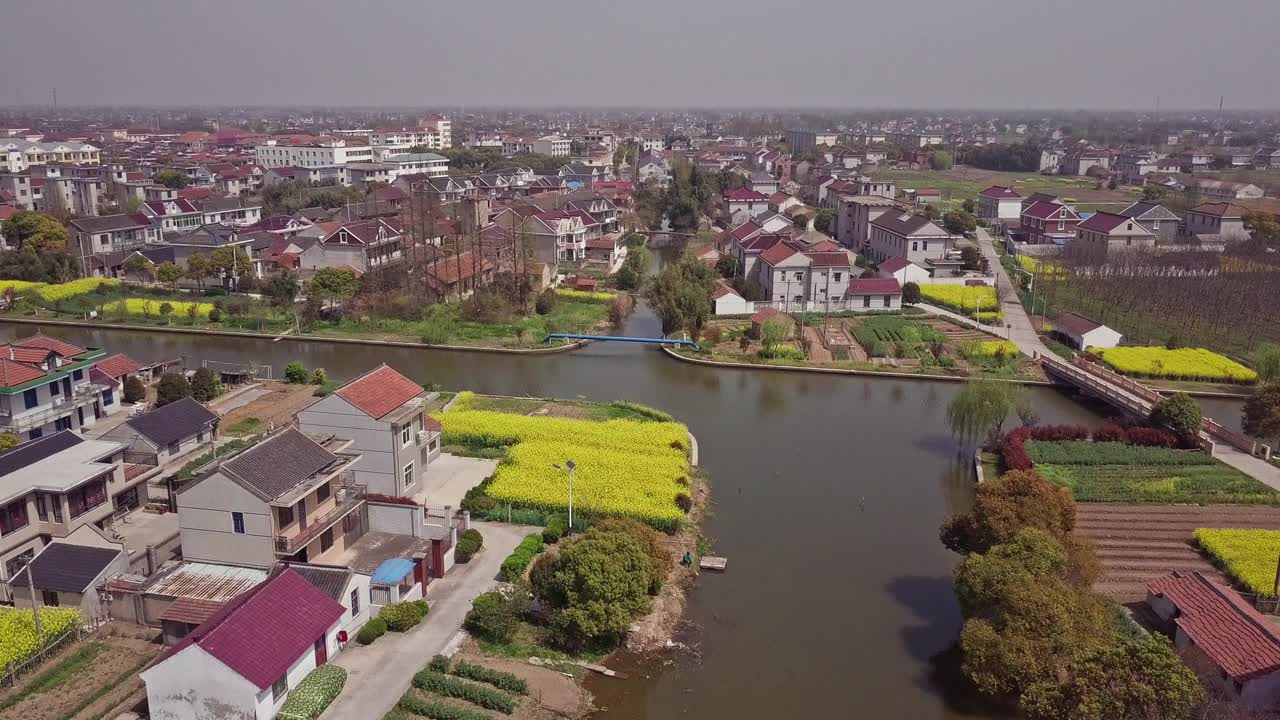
point(981, 408)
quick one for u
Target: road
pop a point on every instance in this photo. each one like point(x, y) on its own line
point(1021, 330)
point(378, 674)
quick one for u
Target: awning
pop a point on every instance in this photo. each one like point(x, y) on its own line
point(392, 571)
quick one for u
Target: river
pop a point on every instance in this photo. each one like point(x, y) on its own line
point(828, 492)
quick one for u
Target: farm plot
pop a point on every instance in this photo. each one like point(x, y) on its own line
point(88, 680)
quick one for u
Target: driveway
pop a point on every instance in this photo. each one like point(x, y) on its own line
point(449, 477)
point(378, 674)
point(1021, 331)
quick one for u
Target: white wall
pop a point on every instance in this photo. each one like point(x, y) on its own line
point(396, 519)
point(193, 685)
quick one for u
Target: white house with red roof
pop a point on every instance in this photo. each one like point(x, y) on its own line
point(172, 214)
point(46, 385)
point(878, 294)
point(361, 245)
point(904, 271)
point(382, 413)
point(1215, 224)
point(744, 198)
point(243, 661)
point(793, 275)
point(1103, 234)
point(999, 203)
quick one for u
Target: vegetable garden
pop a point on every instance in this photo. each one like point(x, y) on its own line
point(1247, 555)
point(18, 639)
point(1180, 364)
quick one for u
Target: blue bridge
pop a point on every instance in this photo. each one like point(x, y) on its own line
point(618, 338)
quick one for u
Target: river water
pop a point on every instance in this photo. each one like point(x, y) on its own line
point(828, 492)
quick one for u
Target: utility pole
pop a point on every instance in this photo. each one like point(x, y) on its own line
point(35, 611)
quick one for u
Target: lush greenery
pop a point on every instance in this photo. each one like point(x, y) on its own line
point(18, 638)
point(172, 387)
point(1178, 413)
point(1179, 364)
point(557, 527)
point(36, 234)
point(518, 561)
point(965, 299)
point(1016, 500)
point(147, 308)
point(319, 688)
point(883, 335)
point(1260, 416)
point(1247, 555)
point(680, 295)
point(981, 407)
point(72, 289)
point(403, 616)
point(469, 543)
point(411, 703)
point(372, 630)
point(484, 696)
point(624, 467)
point(495, 615)
point(1085, 452)
point(497, 678)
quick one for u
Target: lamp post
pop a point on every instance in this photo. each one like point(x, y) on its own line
point(569, 464)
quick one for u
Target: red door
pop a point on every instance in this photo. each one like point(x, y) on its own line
point(322, 652)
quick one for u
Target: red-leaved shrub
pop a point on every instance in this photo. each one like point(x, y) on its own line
point(1152, 437)
point(1110, 432)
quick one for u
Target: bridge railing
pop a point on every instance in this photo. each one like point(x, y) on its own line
point(1117, 379)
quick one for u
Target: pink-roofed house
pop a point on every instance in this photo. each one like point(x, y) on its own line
point(1103, 234)
point(999, 203)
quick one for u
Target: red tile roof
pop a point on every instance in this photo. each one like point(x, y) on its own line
point(19, 353)
point(1105, 222)
point(1000, 191)
point(874, 286)
point(1222, 624)
point(721, 290)
point(744, 194)
point(44, 341)
point(778, 253)
point(7, 211)
point(15, 373)
point(118, 365)
point(380, 391)
point(745, 230)
point(261, 633)
point(829, 259)
point(1046, 210)
point(894, 264)
point(1220, 209)
point(765, 314)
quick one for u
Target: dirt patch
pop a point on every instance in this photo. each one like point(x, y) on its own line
point(552, 694)
point(274, 408)
point(109, 680)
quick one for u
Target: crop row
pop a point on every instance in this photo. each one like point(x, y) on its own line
point(1204, 484)
point(1083, 452)
point(1180, 364)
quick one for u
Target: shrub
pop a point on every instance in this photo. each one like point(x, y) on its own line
point(557, 527)
point(371, 631)
point(486, 697)
point(134, 390)
point(1110, 432)
point(435, 710)
point(319, 377)
point(172, 388)
point(296, 373)
point(782, 352)
point(439, 663)
point(1179, 413)
point(319, 688)
point(546, 302)
point(75, 288)
point(684, 502)
point(1151, 437)
point(519, 559)
point(495, 615)
point(215, 315)
point(497, 678)
point(402, 616)
point(468, 544)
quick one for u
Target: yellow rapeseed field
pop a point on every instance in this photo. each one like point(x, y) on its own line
point(18, 639)
point(964, 299)
point(1180, 364)
point(75, 288)
point(135, 306)
point(1248, 555)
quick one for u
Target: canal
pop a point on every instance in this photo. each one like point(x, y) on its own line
point(828, 494)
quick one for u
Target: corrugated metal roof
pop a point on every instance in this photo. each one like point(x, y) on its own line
point(207, 581)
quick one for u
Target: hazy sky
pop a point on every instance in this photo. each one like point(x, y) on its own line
point(668, 53)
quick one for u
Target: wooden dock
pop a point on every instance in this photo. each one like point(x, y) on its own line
point(711, 562)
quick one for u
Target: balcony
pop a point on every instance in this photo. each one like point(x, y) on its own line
point(346, 498)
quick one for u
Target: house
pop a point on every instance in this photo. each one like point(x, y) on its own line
point(1047, 223)
point(1104, 234)
point(46, 386)
point(1224, 190)
point(874, 294)
point(915, 237)
point(1231, 645)
point(1132, 166)
point(243, 661)
point(1081, 333)
point(348, 588)
point(290, 497)
point(382, 414)
point(744, 199)
point(169, 431)
point(362, 245)
point(112, 233)
point(178, 597)
point(563, 231)
point(726, 301)
point(458, 276)
point(793, 276)
point(904, 271)
point(854, 215)
point(1215, 224)
point(172, 213)
point(68, 573)
point(780, 202)
point(999, 204)
point(925, 196)
point(764, 183)
point(52, 486)
point(763, 316)
point(1156, 218)
point(1266, 158)
point(1192, 160)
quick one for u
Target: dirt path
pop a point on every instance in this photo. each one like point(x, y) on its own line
point(816, 350)
point(1137, 543)
point(278, 405)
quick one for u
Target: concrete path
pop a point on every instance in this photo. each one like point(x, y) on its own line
point(1257, 468)
point(449, 477)
point(1021, 331)
point(378, 674)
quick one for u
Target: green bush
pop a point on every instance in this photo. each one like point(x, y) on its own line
point(497, 678)
point(439, 663)
point(295, 372)
point(557, 527)
point(486, 697)
point(1084, 452)
point(401, 617)
point(469, 544)
point(437, 710)
point(519, 559)
point(371, 631)
point(495, 615)
point(642, 411)
point(314, 693)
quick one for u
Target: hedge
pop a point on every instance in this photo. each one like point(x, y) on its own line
point(468, 544)
point(372, 630)
point(486, 697)
point(497, 678)
point(437, 710)
point(314, 693)
point(516, 563)
point(557, 527)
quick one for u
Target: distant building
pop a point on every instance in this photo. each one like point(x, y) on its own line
point(999, 203)
point(1080, 332)
point(311, 155)
point(801, 139)
point(1156, 218)
point(1104, 234)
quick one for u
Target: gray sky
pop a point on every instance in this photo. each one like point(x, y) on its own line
point(661, 53)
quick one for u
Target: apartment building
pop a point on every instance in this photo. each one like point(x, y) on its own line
point(799, 139)
point(112, 233)
point(19, 154)
point(442, 127)
point(290, 497)
point(311, 155)
point(382, 413)
point(47, 385)
point(402, 139)
point(853, 217)
point(428, 164)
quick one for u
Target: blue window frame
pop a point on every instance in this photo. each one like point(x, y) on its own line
point(237, 523)
point(108, 397)
point(30, 398)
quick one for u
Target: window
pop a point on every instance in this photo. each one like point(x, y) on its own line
point(355, 602)
point(30, 398)
point(326, 539)
point(888, 299)
point(322, 493)
point(1061, 226)
point(13, 517)
point(800, 275)
point(915, 246)
point(836, 276)
point(62, 423)
point(926, 246)
point(279, 688)
point(86, 498)
point(15, 564)
point(36, 433)
point(408, 474)
point(108, 397)
point(866, 301)
point(53, 389)
point(284, 516)
point(237, 523)
point(77, 375)
point(405, 433)
point(173, 447)
point(49, 598)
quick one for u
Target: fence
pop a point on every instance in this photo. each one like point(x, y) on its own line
point(17, 670)
point(1267, 605)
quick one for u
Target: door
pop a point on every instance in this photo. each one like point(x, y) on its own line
point(322, 652)
point(302, 514)
point(66, 388)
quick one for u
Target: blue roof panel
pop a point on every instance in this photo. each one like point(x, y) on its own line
point(392, 571)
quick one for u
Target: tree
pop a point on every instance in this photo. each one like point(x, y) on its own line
point(8, 441)
point(680, 295)
point(1152, 193)
point(282, 289)
point(981, 407)
point(931, 211)
point(199, 267)
point(631, 275)
point(727, 266)
point(172, 387)
point(1261, 414)
point(171, 179)
point(139, 267)
point(774, 332)
point(911, 293)
point(1179, 413)
point(169, 274)
point(495, 615)
point(1016, 500)
point(296, 373)
point(941, 160)
point(333, 285)
point(1266, 361)
point(230, 261)
point(205, 385)
point(822, 222)
point(166, 309)
point(134, 390)
point(959, 222)
point(968, 206)
point(1263, 227)
point(971, 257)
point(36, 233)
point(1136, 679)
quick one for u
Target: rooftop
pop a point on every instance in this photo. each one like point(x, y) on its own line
point(65, 567)
point(282, 463)
point(380, 391)
point(54, 463)
point(206, 581)
point(173, 422)
point(1234, 635)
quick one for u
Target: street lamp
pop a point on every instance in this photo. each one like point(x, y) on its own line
point(569, 464)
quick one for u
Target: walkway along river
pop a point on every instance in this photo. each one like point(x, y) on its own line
point(828, 495)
